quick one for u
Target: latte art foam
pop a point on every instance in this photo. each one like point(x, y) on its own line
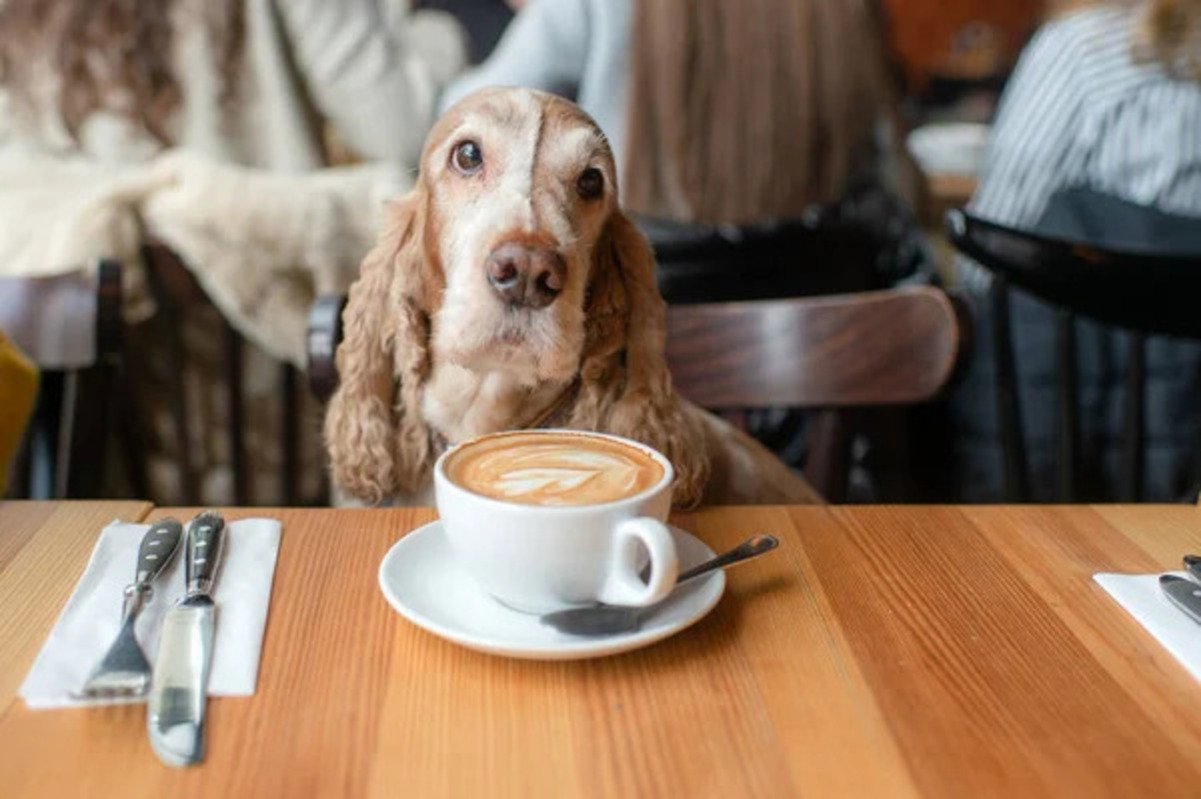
point(550, 469)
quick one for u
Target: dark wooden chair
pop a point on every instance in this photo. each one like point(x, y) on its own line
point(1143, 291)
point(829, 354)
point(858, 244)
point(81, 407)
point(70, 326)
point(177, 292)
point(896, 347)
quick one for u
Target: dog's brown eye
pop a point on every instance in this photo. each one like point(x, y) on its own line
point(590, 184)
point(467, 157)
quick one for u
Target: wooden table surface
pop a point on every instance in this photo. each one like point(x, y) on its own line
point(882, 651)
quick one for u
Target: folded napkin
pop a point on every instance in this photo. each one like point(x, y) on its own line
point(92, 616)
point(1142, 598)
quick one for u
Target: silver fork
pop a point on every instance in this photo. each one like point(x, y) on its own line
point(123, 671)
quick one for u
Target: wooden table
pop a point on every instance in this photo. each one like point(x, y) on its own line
point(881, 652)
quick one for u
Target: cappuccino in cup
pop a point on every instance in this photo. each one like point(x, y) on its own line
point(549, 519)
point(553, 469)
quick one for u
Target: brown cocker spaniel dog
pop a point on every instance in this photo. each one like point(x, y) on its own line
point(508, 291)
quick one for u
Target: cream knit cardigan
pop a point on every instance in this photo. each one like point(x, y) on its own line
point(245, 200)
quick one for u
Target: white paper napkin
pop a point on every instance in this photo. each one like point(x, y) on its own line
point(92, 616)
point(1142, 598)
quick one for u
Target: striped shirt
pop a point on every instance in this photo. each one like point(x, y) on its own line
point(1082, 111)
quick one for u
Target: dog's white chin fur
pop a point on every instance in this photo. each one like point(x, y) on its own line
point(534, 346)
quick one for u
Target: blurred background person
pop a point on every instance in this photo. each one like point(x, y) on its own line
point(717, 113)
point(484, 21)
point(255, 82)
point(93, 91)
point(1107, 99)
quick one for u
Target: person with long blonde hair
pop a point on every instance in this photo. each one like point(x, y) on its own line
point(718, 112)
point(1106, 100)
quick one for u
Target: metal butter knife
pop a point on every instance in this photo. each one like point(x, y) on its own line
point(1184, 594)
point(176, 711)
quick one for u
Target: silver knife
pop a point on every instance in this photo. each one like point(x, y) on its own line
point(1184, 594)
point(175, 714)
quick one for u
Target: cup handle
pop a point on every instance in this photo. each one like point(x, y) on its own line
point(624, 586)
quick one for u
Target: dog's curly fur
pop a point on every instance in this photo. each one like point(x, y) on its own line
point(378, 443)
point(625, 388)
point(387, 422)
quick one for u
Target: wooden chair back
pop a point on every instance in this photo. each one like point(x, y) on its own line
point(894, 347)
point(177, 292)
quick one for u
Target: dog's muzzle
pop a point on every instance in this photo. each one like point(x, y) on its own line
point(524, 276)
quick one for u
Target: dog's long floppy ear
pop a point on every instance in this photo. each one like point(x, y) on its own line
point(625, 386)
point(377, 443)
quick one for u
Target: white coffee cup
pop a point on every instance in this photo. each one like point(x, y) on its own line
point(540, 558)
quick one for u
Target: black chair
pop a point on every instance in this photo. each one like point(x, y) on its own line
point(324, 336)
point(697, 264)
point(864, 242)
point(1116, 278)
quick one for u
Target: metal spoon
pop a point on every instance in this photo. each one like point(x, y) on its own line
point(612, 619)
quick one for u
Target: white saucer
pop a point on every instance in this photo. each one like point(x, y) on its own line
point(422, 581)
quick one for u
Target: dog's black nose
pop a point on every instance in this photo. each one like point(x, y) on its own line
point(527, 276)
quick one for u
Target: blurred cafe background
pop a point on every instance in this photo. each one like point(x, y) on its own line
point(187, 187)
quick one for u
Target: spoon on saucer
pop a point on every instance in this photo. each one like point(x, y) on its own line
point(611, 619)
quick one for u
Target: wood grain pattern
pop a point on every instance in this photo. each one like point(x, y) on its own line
point(19, 520)
point(982, 683)
point(872, 348)
point(43, 549)
point(881, 652)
